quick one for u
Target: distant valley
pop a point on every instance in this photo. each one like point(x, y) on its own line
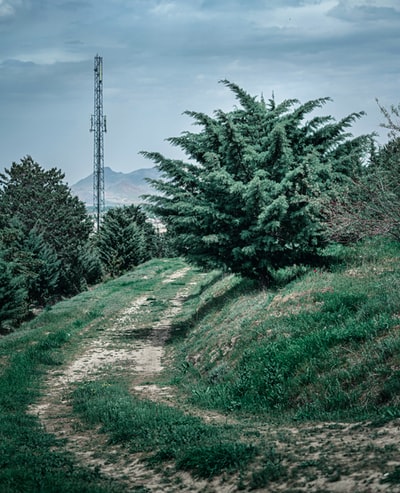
point(119, 188)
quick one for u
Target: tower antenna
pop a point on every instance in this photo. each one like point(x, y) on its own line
point(98, 127)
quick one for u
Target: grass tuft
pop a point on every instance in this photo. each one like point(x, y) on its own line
point(165, 433)
point(271, 470)
point(208, 461)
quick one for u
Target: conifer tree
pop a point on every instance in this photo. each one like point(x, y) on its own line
point(38, 263)
point(47, 213)
point(249, 197)
point(125, 239)
point(13, 294)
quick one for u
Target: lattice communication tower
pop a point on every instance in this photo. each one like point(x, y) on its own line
point(98, 127)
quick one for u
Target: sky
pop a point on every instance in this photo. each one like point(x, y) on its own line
point(162, 57)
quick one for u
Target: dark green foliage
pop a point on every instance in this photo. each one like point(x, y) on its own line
point(208, 461)
point(47, 214)
point(90, 263)
point(250, 198)
point(40, 266)
point(166, 245)
point(44, 236)
point(12, 294)
point(125, 239)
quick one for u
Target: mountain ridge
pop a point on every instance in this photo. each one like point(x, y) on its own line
point(119, 188)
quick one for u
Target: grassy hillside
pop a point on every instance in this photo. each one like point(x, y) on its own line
point(325, 346)
point(252, 386)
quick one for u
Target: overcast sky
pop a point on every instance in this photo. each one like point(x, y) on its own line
point(162, 57)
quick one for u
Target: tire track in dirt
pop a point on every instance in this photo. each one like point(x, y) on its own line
point(140, 361)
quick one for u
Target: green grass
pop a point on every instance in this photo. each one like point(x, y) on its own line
point(326, 346)
point(271, 469)
point(163, 433)
point(30, 459)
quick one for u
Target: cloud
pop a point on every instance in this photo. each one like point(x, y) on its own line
point(166, 8)
point(33, 84)
point(5, 9)
point(308, 20)
point(162, 57)
point(363, 12)
point(10, 6)
point(50, 56)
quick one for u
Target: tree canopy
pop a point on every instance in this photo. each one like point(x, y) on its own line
point(43, 231)
point(249, 197)
point(125, 239)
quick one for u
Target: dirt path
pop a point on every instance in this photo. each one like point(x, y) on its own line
point(140, 361)
point(318, 458)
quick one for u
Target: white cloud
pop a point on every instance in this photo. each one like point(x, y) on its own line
point(180, 11)
point(310, 19)
point(50, 56)
point(164, 8)
point(358, 12)
point(393, 4)
point(6, 8)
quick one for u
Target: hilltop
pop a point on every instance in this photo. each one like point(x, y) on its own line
point(119, 188)
point(172, 379)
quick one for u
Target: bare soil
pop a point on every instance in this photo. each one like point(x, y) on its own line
point(325, 457)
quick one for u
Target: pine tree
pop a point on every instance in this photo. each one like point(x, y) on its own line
point(13, 295)
point(38, 263)
point(125, 239)
point(45, 208)
point(249, 198)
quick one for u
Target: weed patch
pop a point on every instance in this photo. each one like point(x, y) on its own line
point(210, 460)
point(315, 349)
point(165, 433)
point(392, 477)
point(271, 469)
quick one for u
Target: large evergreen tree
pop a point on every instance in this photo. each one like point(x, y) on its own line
point(44, 228)
point(125, 239)
point(249, 198)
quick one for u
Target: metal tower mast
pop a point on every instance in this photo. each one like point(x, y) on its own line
point(99, 127)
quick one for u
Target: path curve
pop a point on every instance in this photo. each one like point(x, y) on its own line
point(140, 361)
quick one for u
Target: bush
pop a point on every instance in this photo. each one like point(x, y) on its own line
point(251, 198)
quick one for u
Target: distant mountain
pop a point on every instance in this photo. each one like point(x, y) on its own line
point(119, 188)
